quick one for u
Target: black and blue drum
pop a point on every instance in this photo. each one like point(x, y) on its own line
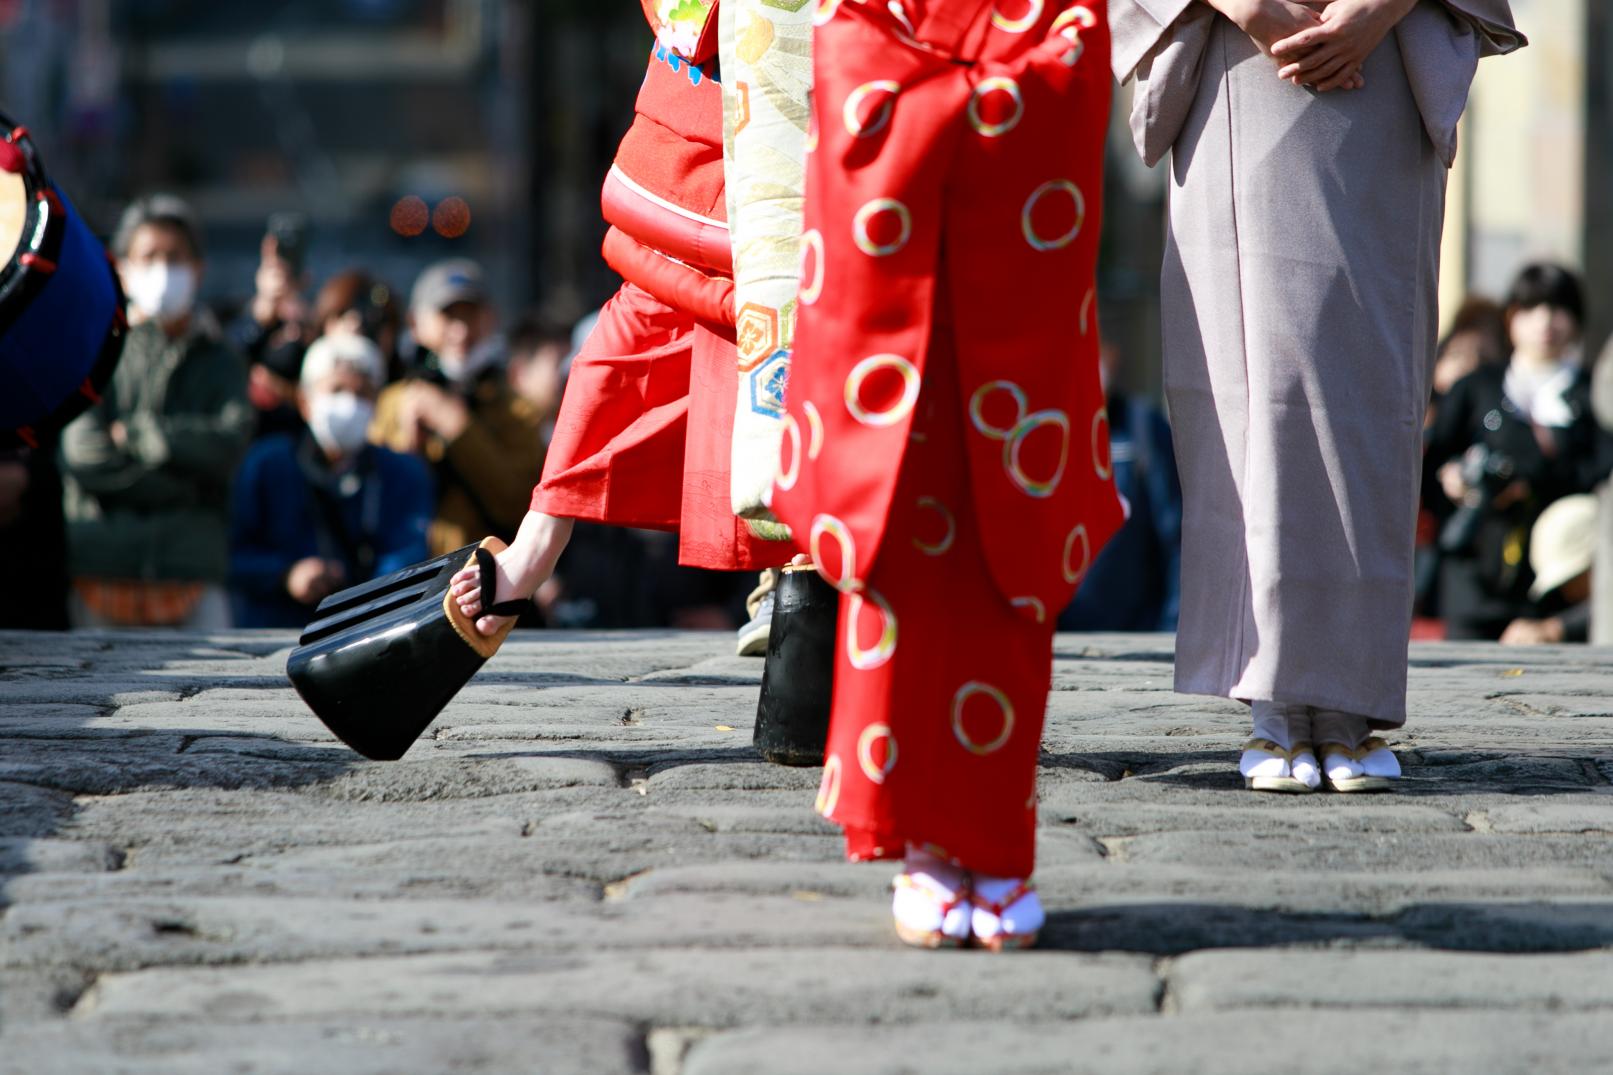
point(61, 310)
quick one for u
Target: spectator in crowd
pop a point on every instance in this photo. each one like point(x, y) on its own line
point(325, 509)
point(483, 442)
point(147, 469)
point(1562, 550)
point(1602, 579)
point(356, 302)
point(1477, 337)
point(1135, 583)
point(272, 332)
point(538, 348)
point(1507, 441)
point(33, 542)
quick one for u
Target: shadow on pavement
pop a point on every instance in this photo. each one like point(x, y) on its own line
point(1447, 772)
point(1169, 929)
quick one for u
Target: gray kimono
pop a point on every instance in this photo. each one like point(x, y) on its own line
point(1299, 294)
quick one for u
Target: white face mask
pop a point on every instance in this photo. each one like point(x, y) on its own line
point(340, 421)
point(160, 291)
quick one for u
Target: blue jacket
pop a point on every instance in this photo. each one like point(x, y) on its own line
point(287, 507)
point(1135, 584)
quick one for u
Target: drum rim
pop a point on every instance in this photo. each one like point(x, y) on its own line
point(20, 281)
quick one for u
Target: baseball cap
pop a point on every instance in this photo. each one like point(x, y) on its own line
point(447, 282)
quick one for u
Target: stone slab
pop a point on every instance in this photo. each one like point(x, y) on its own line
point(1267, 978)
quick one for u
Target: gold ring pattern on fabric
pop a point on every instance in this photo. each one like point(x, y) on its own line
point(969, 690)
point(903, 405)
point(1016, 440)
point(814, 428)
point(1032, 603)
point(1100, 437)
point(988, 86)
point(851, 114)
point(788, 476)
point(939, 547)
point(1074, 575)
point(1028, 227)
point(978, 401)
point(811, 243)
point(1068, 25)
point(864, 219)
point(865, 751)
point(828, 524)
point(829, 786)
point(865, 660)
point(1019, 25)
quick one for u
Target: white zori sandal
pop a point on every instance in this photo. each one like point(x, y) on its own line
point(1266, 764)
point(1268, 767)
point(1007, 913)
point(1352, 760)
point(928, 913)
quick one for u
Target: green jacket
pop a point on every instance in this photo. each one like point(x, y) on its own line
point(157, 508)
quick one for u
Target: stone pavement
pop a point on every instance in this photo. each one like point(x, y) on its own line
point(585, 869)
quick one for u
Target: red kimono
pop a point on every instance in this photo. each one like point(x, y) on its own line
point(642, 438)
point(946, 450)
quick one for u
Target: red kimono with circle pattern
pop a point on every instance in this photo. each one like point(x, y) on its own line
point(946, 456)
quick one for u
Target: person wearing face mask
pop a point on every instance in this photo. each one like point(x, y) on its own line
point(147, 469)
point(317, 511)
point(1506, 442)
point(457, 411)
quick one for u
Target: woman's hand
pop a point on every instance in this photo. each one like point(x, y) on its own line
point(1268, 21)
point(1329, 56)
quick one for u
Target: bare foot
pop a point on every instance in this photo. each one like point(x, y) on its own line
point(520, 570)
point(466, 586)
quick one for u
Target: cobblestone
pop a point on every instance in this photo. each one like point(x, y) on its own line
point(585, 868)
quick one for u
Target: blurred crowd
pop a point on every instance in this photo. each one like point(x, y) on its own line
point(246, 462)
point(1518, 444)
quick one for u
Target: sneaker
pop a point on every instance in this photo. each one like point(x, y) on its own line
point(753, 636)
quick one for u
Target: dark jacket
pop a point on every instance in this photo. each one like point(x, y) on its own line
point(1135, 584)
point(1484, 584)
point(157, 508)
point(289, 506)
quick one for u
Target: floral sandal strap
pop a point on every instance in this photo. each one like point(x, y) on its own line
point(1023, 889)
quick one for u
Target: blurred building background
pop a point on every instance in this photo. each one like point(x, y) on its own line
point(501, 116)
point(498, 115)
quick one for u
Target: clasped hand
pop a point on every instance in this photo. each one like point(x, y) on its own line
point(1321, 43)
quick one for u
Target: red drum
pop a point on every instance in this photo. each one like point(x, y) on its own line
point(61, 310)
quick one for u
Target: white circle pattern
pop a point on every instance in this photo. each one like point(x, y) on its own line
point(1027, 224)
point(904, 404)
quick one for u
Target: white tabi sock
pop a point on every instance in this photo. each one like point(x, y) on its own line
point(920, 904)
point(1270, 722)
point(1023, 916)
point(1333, 726)
point(1303, 767)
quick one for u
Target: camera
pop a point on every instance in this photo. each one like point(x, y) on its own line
point(1485, 472)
